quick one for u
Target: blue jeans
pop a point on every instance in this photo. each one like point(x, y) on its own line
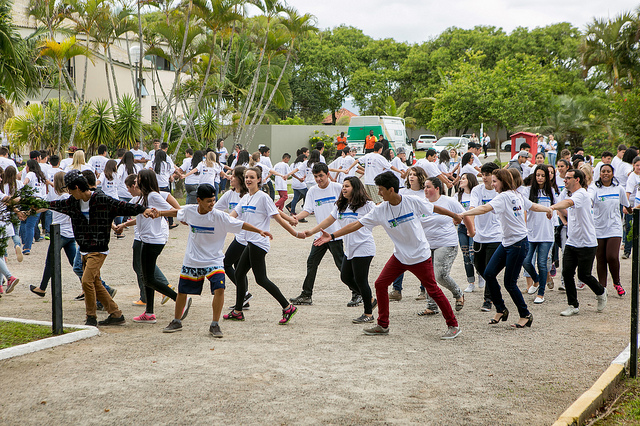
point(48, 218)
point(466, 246)
point(77, 269)
point(192, 193)
point(552, 159)
point(118, 220)
point(16, 235)
point(27, 230)
point(510, 259)
point(69, 247)
point(298, 194)
point(543, 253)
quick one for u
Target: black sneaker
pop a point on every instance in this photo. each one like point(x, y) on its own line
point(92, 321)
point(356, 300)
point(363, 319)
point(302, 220)
point(486, 306)
point(111, 320)
point(79, 297)
point(215, 331)
point(244, 307)
point(301, 300)
point(173, 326)
point(247, 298)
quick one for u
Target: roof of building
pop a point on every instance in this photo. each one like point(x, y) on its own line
point(341, 113)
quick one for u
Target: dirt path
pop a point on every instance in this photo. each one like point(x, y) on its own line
point(318, 369)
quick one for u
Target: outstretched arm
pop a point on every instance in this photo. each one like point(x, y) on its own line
point(347, 229)
point(476, 211)
point(322, 225)
point(249, 227)
point(455, 216)
point(287, 227)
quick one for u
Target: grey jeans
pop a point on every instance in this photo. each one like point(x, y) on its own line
point(442, 259)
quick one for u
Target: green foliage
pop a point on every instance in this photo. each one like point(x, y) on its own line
point(329, 146)
point(127, 124)
point(99, 128)
point(297, 120)
point(208, 127)
point(626, 107)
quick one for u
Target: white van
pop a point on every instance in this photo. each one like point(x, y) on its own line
point(392, 128)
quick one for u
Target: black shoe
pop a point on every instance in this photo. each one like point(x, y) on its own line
point(175, 225)
point(92, 321)
point(486, 306)
point(302, 220)
point(247, 298)
point(356, 300)
point(301, 300)
point(111, 320)
point(79, 297)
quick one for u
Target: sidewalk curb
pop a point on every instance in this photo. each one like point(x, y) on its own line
point(50, 342)
point(590, 401)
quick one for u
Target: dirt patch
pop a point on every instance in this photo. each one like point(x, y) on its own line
point(318, 369)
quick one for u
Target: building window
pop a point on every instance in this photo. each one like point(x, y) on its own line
point(154, 114)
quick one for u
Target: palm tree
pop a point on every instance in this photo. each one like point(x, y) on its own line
point(59, 54)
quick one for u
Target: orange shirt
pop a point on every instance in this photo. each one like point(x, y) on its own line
point(341, 142)
point(370, 141)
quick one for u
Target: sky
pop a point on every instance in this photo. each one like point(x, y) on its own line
point(416, 21)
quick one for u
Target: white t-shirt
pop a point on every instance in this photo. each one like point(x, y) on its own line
point(408, 191)
point(266, 164)
point(257, 210)
point(193, 179)
point(222, 155)
point(359, 243)
point(465, 201)
point(228, 201)
point(606, 209)
point(208, 174)
point(581, 229)
point(309, 180)
point(206, 237)
point(539, 228)
point(374, 164)
point(109, 187)
point(615, 162)
point(6, 162)
point(440, 230)
point(139, 154)
point(622, 173)
point(468, 168)
point(122, 176)
point(282, 168)
point(301, 173)
point(632, 188)
point(154, 231)
point(559, 181)
point(39, 187)
point(166, 170)
point(136, 228)
point(321, 202)
point(510, 207)
point(403, 225)
point(66, 230)
point(429, 167)
point(52, 172)
point(488, 229)
point(65, 163)
point(596, 171)
point(97, 163)
point(400, 165)
point(476, 161)
point(5, 187)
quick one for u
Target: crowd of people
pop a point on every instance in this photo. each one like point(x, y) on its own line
point(537, 216)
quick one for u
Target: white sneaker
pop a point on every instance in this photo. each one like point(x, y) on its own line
point(470, 288)
point(539, 300)
point(580, 285)
point(481, 282)
point(561, 287)
point(602, 301)
point(533, 289)
point(570, 311)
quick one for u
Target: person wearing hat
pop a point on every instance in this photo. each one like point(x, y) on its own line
point(522, 158)
point(67, 161)
point(91, 213)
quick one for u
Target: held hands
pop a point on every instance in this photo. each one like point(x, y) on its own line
point(457, 219)
point(152, 213)
point(301, 235)
point(549, 213)
point(324, 238)
point(119, 228)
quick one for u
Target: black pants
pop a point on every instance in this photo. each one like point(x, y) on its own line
point(149, 256)
point(355, 274)
point(313, 261)
point(482, 253)
point(231, 259)
point(582, 259)
point(253, 258)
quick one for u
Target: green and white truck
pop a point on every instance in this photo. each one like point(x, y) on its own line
point(392, 128)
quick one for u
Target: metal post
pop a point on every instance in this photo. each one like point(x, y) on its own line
point(56, 280)
point(633, 362)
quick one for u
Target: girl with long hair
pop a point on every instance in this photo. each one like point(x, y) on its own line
point(208, 170)
point(126, 167)
point(153, 234)
point(468, 181)
point(191, 182)
point(79, 162)
point(510, 206)
point(607, 197)
point(359, 246)
point(298, 174)
point(257, 209)
point(36, 180)
point(109, 179)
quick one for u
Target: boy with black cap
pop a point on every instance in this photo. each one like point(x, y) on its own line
point(91, 213)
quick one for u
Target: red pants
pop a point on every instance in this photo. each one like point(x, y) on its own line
point(283, 199)
point(424, 272)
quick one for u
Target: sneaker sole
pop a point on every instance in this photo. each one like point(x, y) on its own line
point(172, 330)
point(19, 255)
point(288, 319)
point(451, 337)
point(293, 302)
point(375, 334)
point(217, 336)
point(12, 286)
point(145, 321)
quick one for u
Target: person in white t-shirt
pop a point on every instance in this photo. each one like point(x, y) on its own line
point(139, 156)
point(622, 173)
point(605, 158)
point(97, 162)
point(466, 164)
point(203, 256)
point(108, 179)
point(35, 179)
point(510, 206)
point(257, 209)
point(468, 181)
point(298, 174)
point(399, 166)
point(400, 218)
point(320, 200)
point(360, 247)
point(4, 271)
point(5, 161)
point(581, 247)
point(430, 167)
point(552, 150)
point(281, 183)
point(607, 197)
point(374, 164)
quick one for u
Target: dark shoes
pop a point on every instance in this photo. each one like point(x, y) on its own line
point(356, 300)
point(92, 321)
point(301, 300)
point(111, 320)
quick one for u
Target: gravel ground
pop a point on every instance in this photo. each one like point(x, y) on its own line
point(319, 369)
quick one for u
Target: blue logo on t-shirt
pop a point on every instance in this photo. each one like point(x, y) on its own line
point(248, 209)
point(326, 200)
point(346, 214)
point(202, 229)
point(401, 219)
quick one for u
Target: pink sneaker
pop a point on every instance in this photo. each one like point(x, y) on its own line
point(147, 318)
point(11, 284)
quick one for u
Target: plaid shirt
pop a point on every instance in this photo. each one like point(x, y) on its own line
point(94, 235)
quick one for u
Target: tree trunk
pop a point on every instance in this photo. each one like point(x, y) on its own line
point(113, 74)
point(81, 105)
point(106, 72)
point(498, 143)
point(223, 72)
point(250, 129)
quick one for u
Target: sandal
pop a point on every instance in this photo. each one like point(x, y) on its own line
point(427, 312)
point(460, 304)
point(504, 317)
point(527, 324)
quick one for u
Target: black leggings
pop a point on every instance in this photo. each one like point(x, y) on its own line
point(231, 259)
point(253, 258)
point(149, 256)
point(355, 274)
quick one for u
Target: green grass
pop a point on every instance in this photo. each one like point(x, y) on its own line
point(17, 333)
point(626, 410)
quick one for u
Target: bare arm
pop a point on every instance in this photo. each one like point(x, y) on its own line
point(322, 225)
point(455, 216)
point(476, 211)
point(286, 226)
point(249, 227)
point(471, 227)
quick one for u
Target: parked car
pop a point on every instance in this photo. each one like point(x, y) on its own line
point(452, 142)
point(506, 145)
point(425, 142)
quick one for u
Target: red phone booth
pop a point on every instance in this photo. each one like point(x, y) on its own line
point(519, 138)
